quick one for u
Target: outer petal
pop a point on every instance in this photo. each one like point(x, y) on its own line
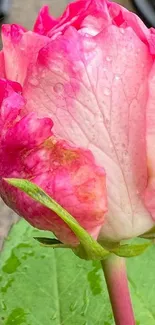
point(2, 65)
point(69, 174)
point(44, 22)
point(96, 92)
point(124, 19)
point(92, 16)
point(75, 13)
point(20, 49)
point(150, 191)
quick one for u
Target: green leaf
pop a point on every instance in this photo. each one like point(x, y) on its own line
point(88, 248)
point(42, 286)
point(129, 250)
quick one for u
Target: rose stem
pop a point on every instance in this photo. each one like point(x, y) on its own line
point(114, 268)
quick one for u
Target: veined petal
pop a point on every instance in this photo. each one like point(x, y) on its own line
point(69, 174)
point(96, 92)
point(20, 50)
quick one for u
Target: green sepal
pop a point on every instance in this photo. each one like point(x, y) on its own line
point(149, 234)
point(88, 248)
point(129, 250)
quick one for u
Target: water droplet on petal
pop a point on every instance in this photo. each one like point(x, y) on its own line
point(107, 92)
point(108, 58)
point(117, 77)
point(122, 30)
point(59, 88)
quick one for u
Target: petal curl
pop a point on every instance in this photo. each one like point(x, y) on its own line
point(29, 149)
point(20, 50)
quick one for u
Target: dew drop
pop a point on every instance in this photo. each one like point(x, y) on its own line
point(108, 58)
point(117, 77)
point(54, 316)
point(73, 306)
point(122, 30)
point(3, 305)
point(107, 91)
point(59, 88)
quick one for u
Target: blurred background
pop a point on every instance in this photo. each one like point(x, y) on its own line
point(25, 12)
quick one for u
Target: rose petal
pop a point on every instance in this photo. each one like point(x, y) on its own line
point(28, 149)
point(150, 191)
point(45, 22)
point(20, 50)
point(96, 91)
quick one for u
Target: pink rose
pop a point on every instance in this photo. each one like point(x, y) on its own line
point(88, 76)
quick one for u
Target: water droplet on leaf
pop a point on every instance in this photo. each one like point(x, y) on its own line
point(3, 305)
point(73, 306)
point(8, 284)
point(54, 316)
point(17, 317)
point(11, 264)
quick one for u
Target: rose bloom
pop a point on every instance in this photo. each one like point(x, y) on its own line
point(77, 118)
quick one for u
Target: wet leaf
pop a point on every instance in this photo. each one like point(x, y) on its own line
point(40, 285)
point(50, 286)
point(130, 250)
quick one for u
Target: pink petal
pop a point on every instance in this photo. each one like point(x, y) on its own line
point(150, 191)
point(95, 89)
point(96, 92)
point(75, 14)
point(20, 50)
point(2, 65)
point(28, 149)
point(126, 19)
point(44, 22)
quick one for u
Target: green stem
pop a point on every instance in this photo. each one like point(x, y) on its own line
point(114, 268)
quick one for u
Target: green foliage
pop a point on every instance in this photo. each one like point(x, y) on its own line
point(44, 286)
point(88, 249)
